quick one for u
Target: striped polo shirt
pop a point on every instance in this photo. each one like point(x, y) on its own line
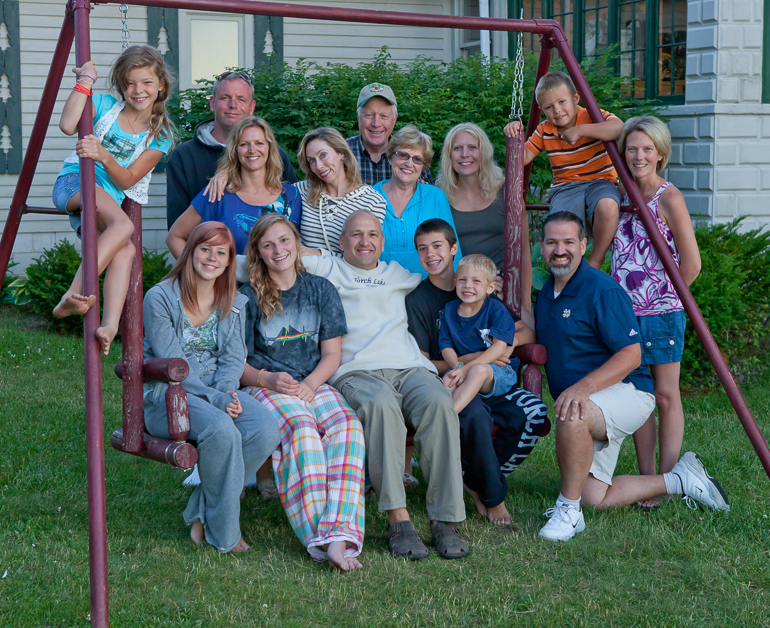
point(587, 160)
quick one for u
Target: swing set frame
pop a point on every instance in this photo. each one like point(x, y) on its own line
point(134, 371)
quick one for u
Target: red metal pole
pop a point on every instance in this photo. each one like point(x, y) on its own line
point(353, 15)
point(36, 138)
point(97, 513)
point(132, 333)
point(698, 322)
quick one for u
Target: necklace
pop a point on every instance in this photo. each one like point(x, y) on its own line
point(136, 135)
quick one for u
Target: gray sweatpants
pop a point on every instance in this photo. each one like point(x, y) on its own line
point(385, 401)
point(229, 452)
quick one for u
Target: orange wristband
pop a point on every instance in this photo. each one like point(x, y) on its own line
point(83, 90)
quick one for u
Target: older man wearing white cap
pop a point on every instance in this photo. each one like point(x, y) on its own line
point(377, 112)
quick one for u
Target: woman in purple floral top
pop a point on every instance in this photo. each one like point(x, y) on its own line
point(646, 144)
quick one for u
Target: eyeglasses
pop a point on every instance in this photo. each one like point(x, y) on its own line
point(226, 76)
point(402, 156)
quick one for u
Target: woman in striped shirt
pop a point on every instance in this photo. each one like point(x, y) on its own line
point(332, 191)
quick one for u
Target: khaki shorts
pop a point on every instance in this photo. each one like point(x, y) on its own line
point(625, 410)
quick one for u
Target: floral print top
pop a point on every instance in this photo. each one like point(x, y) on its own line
point(637, 267)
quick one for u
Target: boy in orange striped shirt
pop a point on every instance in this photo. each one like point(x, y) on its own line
point(585, 182)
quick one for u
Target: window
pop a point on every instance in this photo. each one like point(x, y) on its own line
point(209, 43)
point(651, 35)
point(470, 40)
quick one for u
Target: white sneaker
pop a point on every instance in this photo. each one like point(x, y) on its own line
point(698, 485)
point(565, 522)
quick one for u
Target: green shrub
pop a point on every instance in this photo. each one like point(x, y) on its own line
point(49, 276)
point(6, 293)
point(433, 96)
point(733, 294)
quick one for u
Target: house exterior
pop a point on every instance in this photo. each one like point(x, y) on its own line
point(707, 60)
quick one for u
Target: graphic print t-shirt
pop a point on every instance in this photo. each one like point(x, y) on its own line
point(290, 341)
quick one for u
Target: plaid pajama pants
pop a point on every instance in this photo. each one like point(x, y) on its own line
point(319, 468)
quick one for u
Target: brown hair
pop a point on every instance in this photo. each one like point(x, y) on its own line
point(554, 80)
point(231, 165)
point(214, 234)
point(136, 57)
point(338, 144)
point(411, 137)
point(268, 293)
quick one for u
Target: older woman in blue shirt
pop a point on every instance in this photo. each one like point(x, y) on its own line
point(410, 203)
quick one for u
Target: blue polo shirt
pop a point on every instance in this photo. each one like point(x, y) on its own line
point(589, 322)
point(428, 201)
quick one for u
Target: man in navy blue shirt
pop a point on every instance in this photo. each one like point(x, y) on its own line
point(585, 320)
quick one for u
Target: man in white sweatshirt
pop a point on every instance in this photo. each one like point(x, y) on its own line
point(389, 383)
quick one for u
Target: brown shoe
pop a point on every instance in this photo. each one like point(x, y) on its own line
point(448, 540)
point(404, 542)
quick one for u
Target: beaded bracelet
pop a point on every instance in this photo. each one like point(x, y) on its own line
point(83, 90)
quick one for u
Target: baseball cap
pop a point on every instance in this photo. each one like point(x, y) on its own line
point(376, 89)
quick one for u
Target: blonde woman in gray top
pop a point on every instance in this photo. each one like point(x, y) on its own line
point(332, 191)
point(473, 183)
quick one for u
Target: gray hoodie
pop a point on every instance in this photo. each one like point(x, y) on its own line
point(163, 318)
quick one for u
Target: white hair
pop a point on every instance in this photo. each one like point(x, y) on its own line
point(358, 110)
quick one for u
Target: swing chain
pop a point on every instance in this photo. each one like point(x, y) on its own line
point(126, 33)
point(517, 93)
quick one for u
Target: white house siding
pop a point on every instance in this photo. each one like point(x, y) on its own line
point(721, 158)
point(351, 42)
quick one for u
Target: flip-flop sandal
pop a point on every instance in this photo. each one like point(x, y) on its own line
point(448, 541)
point(410, 481)
point(404, 542)
point(267, 489)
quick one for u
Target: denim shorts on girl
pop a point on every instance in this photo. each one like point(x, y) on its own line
point(505, 378)
point(662, 337)
point(64, 189)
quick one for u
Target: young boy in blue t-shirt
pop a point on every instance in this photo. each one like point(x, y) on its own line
point(476, 324)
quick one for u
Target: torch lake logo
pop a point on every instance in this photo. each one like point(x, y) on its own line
point(566, 313)
point(376, 87)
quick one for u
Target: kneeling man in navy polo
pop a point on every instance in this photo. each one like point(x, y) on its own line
point(585, 320)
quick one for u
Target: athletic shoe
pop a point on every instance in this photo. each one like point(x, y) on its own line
point(565, 522)
point(698, 485)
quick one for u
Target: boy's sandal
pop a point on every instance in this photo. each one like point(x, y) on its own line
point(267, 489)
point(404, 542)
point(409, 480)
point(448, 541)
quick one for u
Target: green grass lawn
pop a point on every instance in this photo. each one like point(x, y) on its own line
point(673, 567)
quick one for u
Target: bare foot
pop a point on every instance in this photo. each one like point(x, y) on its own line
point(105, 335)
point(72, 303)
point(499, 515)
point(648, 504)
point(481, 508)
point(240, 547)
point(336, 556)
point(197, 533)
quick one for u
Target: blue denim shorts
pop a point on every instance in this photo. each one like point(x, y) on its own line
point(662, 337)
point(505, 378)
point(64, 189)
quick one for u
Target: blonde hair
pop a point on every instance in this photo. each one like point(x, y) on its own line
point(136, 57)
point(655, 129)
point(554, 80)
point(231, 165)
point(411, 137)
point(268, 293)
point(338, 144)
point(215, 234)
point(479, 262)
point(491, 177)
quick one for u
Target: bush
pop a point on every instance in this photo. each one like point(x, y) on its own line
point(433, 96)
point(6, 293)
point(733, 294)
point(49, 276)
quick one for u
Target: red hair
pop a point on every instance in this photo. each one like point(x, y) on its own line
point(215, 234)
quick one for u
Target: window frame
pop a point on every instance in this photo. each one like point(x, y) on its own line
point(651, 43)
